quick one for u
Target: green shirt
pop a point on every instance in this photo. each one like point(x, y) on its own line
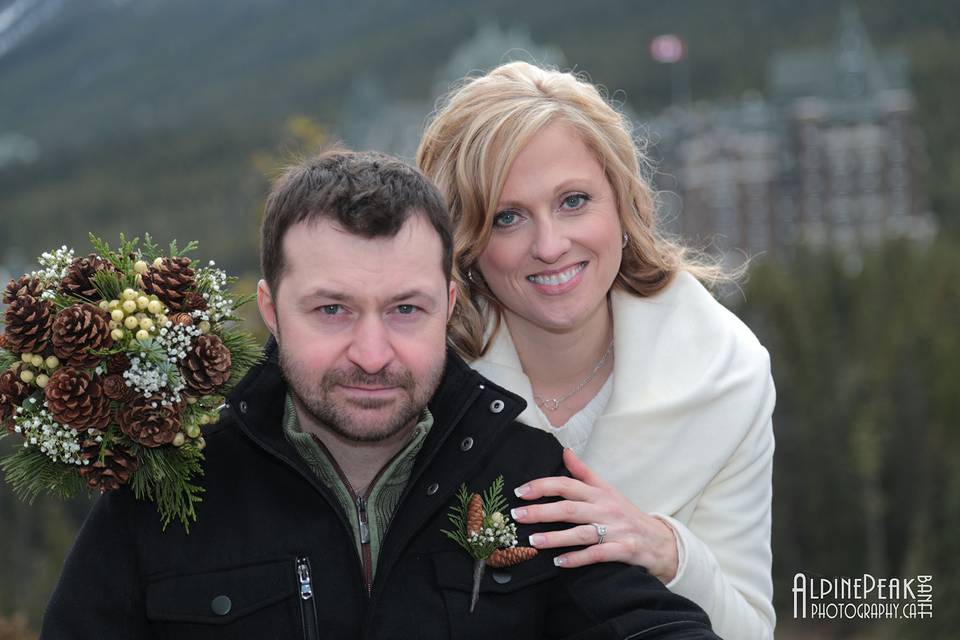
point(382, 496)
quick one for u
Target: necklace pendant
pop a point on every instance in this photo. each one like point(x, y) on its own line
point(552, 404)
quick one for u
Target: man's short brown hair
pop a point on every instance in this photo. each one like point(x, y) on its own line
point(368, 194)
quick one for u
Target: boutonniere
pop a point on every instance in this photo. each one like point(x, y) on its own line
point(484, 530)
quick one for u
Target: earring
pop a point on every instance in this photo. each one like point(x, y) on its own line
point(626, 239)
point(471, 277)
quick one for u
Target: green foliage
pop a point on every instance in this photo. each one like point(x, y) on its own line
point(165, 476)
point(493, 503)
point(7, 360)
point(458, 518)
point(108, 284)
point(31, 473)
point(493, 499)
point(175, 251)
point(245, 352)
point(150, 251)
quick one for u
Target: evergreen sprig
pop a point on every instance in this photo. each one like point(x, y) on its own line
point(150, 251)
point(165, 477)
point(458, 518)
point(175, 251)
point(108, 284)
point(7, 360)
point(245, 352)
point(31, 472)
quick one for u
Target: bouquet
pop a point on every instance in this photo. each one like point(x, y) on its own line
point(110, 364)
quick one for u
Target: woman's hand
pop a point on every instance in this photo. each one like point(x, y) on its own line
point(632, 536)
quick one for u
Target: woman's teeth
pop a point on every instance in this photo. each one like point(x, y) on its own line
point(558, 278)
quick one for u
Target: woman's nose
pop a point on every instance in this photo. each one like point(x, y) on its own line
point(550, 243)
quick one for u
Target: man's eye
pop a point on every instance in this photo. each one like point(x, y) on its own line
point(406, 309)
point(330, 309)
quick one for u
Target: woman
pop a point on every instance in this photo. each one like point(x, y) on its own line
point(572, 298)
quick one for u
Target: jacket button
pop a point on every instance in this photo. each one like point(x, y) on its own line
point(221, 605)
point(496, 406)
point(467, 444)
point(243, 406)
point(483, 386)
point(432, 489)
point(502, 577)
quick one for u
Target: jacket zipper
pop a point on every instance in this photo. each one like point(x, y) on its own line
point(308, 606)
point(367, 556)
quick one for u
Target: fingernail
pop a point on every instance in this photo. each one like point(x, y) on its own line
point(520, 491)
point(536, 540)
point(559, 561)
point(518, 513)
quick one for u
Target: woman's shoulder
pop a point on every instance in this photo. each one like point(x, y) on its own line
point(684, 329)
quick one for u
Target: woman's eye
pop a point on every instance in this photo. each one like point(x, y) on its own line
point(505, 219)
point(575, 200)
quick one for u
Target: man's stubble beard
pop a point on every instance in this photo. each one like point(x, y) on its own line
point(315, 397)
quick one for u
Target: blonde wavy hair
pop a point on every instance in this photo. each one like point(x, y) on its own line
point(470, 145)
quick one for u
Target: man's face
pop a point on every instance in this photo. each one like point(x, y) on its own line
point(361, 325)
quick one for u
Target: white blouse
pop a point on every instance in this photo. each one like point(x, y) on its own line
point(575, 432)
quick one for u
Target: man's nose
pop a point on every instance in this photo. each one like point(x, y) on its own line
point(370, 347)
point(550, 242)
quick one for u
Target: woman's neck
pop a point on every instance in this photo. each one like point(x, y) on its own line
point(556, 362)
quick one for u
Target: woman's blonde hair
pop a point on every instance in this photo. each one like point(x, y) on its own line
point(469, 147)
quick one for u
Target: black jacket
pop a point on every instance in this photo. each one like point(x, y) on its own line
point(271, 554)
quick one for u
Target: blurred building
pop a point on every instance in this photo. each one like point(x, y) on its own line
point(832, 156)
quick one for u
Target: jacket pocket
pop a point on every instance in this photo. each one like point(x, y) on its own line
point(511, 601)
point(249, 601)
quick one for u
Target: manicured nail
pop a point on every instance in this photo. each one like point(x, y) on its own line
point(520, 491)
point(518, 513)
point(537, 539)
point(559, 561)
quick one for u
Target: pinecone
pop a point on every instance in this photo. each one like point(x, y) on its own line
point(79, 278)
point(196, 302)
point(150, 426)
point(207, 365)
point(172, 282)
point(474, 514)
point(181, 317)
point(24, 285)
point(115, 388)
point(115, 469)
point(510, 556)
point(77, 399)
point(77, 330)
point(118, 363)
point(12, 392)
point(29, 322)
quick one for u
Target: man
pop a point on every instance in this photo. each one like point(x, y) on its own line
point(331, 475)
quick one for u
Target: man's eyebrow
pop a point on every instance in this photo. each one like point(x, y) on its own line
point(340, 296)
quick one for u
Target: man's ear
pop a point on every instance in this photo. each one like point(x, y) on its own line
point(452, 298)
point(267, 306)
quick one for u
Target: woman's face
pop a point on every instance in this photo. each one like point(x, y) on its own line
point(556, 242)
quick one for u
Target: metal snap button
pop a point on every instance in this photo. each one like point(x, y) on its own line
point(483, 386)
point(502, 577)
point(466, 444)
point(243, 406)
point(496, 406)
point(221, 605)
point(432, 489)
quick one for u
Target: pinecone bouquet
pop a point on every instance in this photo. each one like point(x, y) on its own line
point(110, 364)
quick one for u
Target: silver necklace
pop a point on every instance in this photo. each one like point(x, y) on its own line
point(553, 404)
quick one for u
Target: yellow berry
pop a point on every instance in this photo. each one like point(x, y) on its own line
point(143, 335)
point(129, 306)
point(204, 326)
point(104, 304)
point(191, 400)
point(26, 357)
point(117, 315)
point(158, 262)
point(162, 320)
point(179, 439)
point(140, 266)
point(129, 294)
point(204, 419)
point(201, 443)
point(37, 361)
point(130, 322)
point(193, 430)
point(155, 307)
point(113, 304)
point(52, 362)
point(146, 324)
point(117, 334)
point(142, 302)
point(26, 375)
point(42, 380)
